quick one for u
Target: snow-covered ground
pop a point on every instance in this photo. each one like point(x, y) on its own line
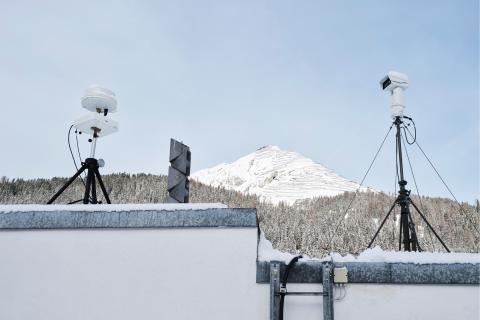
point(266, 252)
point(277, 175)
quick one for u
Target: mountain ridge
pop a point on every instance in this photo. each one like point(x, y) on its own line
point(277, 175)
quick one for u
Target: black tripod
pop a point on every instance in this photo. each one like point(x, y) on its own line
point(408, 235)
point(91, 165)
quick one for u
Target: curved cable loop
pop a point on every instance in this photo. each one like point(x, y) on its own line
point(71, 152)
point(415, 130)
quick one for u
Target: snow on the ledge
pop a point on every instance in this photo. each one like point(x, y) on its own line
point(266, 252)
point(110, 207)
point(378, 255)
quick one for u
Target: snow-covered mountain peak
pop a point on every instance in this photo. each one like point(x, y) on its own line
point(269, 147)
point(276, 175)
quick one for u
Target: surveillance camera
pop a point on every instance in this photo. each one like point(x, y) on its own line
point(396, 83)
point(394, 80)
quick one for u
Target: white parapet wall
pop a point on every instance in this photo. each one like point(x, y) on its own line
point(183, 262)
point(387, 301)
point(150, 262)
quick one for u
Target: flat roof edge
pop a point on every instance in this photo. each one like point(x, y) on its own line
point(191, 218)
point(381, 272)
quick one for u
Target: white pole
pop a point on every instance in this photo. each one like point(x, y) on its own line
point(398, 103)
point(93, 146)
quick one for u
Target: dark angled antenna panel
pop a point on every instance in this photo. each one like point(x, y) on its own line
point(178, 172)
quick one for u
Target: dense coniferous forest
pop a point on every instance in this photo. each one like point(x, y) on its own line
point(314, 227)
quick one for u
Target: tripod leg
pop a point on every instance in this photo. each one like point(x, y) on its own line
point(413, 232)
point(381, 225)
point(102, 186)
point(86, 196)
point(66, 185)
point(94, 190)
point(400, 237)
point(431, 228)
point(76, 201)
point(404, 221)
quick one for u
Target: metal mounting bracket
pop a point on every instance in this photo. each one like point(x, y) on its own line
point(327, 292)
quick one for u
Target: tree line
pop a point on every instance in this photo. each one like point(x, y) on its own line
point(314, 227)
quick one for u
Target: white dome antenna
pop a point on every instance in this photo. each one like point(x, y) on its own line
point(100, 100)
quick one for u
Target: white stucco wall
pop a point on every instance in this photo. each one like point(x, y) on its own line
point(196, 273)
point(130, 274)
point(372, 301)
point(392, 302)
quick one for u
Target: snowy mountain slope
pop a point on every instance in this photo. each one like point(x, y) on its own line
point(276, 175)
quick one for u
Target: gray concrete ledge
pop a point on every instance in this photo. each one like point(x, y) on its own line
point(380, 272)
point(192, 218)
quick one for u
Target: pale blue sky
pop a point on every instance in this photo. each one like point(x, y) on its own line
point(227, 77)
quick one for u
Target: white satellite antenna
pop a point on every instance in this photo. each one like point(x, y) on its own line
point(100, 101)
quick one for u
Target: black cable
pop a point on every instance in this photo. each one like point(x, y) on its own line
point(415, 131)
point(287, 270)
point(71, 152)
point(70, 147)
point(418, 192)
point(79, 155)
point(78, 147)
point(445, 184)
point(342, 217)
point(283, 286)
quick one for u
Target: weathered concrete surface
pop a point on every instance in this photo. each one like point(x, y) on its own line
point(214, 217)
point(375, 272)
